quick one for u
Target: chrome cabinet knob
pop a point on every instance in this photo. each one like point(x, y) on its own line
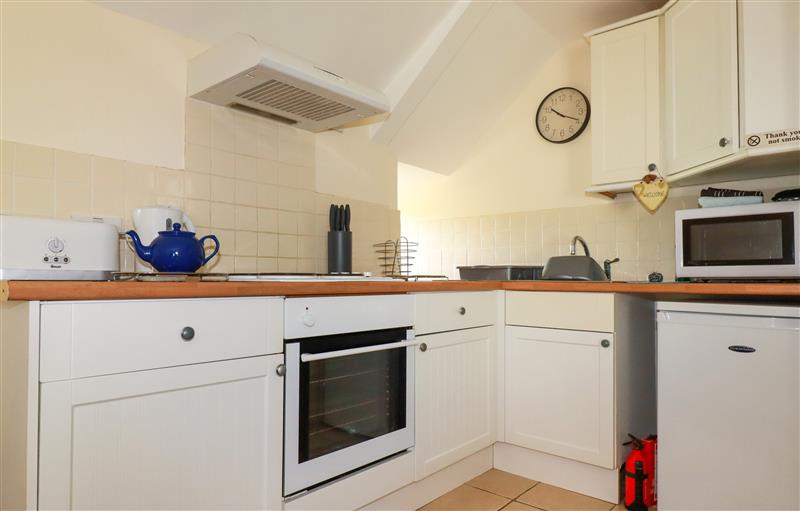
point(724, 141)
point(187, 334)
point(605, 343)
point(652, 167)
point(423, 347)
point(281, 370)
point(462, 310)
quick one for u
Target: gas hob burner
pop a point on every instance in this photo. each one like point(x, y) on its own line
point(247, 277)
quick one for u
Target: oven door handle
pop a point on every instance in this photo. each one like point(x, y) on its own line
point(310, 357)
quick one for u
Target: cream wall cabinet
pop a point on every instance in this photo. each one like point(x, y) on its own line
point(701, 83)
point(560, 393)
point(579, 373)
point(625, 102)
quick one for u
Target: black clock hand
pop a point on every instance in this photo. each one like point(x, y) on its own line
point(562, 115)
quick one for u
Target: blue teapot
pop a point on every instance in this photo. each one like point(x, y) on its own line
point(175, 251)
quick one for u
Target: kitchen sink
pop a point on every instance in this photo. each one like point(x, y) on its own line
point(573, 267)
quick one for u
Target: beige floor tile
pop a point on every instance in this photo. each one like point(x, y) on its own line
point(467, 498)
point(551, 498)
point(502, 483)
point(518, 506)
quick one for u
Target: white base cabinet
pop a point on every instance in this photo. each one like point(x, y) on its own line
point(200, 436)
point(455, 397)
point(560, 392)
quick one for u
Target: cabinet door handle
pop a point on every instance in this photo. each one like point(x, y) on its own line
point(724, 141)
point(281, 370)
point(423, 347)
point(462, 310)
point(605, 343)
point(187, 334)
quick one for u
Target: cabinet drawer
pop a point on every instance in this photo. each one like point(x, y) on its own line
point(440, 312)
point(572, 311)
point(80, 339)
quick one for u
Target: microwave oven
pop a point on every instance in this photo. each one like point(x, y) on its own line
point(751, 242)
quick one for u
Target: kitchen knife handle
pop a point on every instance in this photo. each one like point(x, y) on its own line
point(340, 225)
point(332, 219)
point(347, 217)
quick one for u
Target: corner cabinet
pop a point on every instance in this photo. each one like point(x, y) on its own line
point(570, 374)
point(701, 95)
point(625, 102)
point(455, 378)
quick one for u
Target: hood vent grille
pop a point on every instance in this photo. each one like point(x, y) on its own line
point(287, 98)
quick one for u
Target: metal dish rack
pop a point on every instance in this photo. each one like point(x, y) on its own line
point(396, 256)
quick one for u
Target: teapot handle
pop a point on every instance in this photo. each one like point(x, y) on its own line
point(216, 247)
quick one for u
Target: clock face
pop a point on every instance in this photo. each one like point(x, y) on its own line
point(562, 115)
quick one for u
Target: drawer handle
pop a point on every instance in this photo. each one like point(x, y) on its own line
point(605, 343)
point(187, 334)
point(462, 310)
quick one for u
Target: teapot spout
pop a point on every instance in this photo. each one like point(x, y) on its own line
point(143, 251)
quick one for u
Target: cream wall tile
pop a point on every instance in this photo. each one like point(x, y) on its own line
point(626, 231)
point(227, 240)
point(287, 245)
point(267, 245)
point(198, 122)
point(33, 196)
point(246, 133)
point(33, 161)
point(287, 265)
point(246, 167)
point(6, 193)
point(246, 193)
point(245, 264)
point(267, 264)
point(223, 163)
point(246, 218)
point(267, 220)
point(169, 182)
point(139, 187)
point(246, 243)
point(267, 140)
point(306, 224)
point(309, 247)
point(267, 172)
point(305, 201)
point(306, 265)
point(305, 178)
point(198, 158)
point(223, 216)
point(267, 196)
point(223, 189)
point(223, 129)
point(108, 192)
point(289, 199)
point(199, 211)
point(288, 175)
point(72, 167)
point(7, 157)
point(287, 222)
point(197, 186)
point(72, 198)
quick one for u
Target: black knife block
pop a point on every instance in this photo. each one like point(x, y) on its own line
point(340, 251)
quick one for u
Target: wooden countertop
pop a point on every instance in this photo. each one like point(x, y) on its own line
point(84, 290)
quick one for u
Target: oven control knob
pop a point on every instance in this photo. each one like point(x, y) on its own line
point(308, 320)
point(55, 245)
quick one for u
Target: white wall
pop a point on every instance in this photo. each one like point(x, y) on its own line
point(513, 168)
point(80, 77)
point(348, 164)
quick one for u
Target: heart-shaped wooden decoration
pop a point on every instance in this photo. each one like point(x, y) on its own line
point(651, 191)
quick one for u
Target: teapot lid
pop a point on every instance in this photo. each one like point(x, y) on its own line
point(176, 231)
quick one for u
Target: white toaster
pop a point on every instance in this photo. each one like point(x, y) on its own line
point(50, 249)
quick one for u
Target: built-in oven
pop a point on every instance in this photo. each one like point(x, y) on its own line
point(756, 241)
point(349, 391)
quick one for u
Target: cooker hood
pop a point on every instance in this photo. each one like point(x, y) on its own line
point(247, 75)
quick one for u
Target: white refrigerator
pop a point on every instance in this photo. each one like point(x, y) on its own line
point(728, 406)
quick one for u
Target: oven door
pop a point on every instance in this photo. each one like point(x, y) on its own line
point(748, 243)
point(349, 403)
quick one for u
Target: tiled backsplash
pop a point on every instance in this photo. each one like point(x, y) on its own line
point(643, 241)
point(248, 180)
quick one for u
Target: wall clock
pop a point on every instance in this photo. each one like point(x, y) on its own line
point(562, 115)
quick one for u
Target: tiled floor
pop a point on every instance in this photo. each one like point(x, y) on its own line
point(495, 490)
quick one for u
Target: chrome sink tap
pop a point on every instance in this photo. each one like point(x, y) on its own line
point(607, 266)
point(583, 242)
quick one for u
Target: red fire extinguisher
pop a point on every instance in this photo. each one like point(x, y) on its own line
point(640, 474)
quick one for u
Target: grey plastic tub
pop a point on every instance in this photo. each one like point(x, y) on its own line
point(500, 272)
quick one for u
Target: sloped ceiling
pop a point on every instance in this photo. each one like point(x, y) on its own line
point(449, 68)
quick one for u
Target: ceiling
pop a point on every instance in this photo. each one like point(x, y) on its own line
point(449, 69)
point(365, 41)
